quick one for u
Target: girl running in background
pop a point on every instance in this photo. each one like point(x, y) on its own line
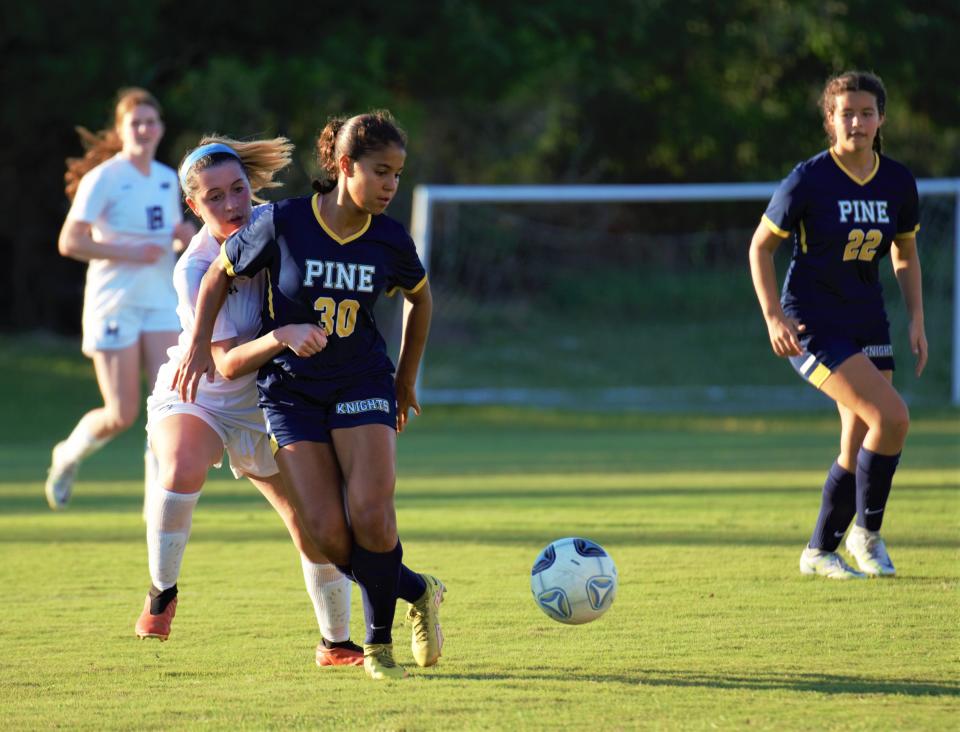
point(846, 209)
point(125, 221)
point(219, 178)
point(335, 415)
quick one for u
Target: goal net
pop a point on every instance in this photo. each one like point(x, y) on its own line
point(634, 297)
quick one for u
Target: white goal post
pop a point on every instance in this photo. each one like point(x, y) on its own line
point(425, 196)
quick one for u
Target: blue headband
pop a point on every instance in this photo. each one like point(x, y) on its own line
point(202, 152)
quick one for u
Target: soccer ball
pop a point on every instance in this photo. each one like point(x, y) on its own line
point(574, 580)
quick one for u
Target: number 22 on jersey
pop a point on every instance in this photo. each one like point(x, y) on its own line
point(862, 246)
point(337, 317)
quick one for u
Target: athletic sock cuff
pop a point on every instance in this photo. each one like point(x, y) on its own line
point(159, 599)
point(867, 459)
point(838, 472)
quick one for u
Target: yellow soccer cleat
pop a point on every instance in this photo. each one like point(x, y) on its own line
point(424, 616)
point(379, 664)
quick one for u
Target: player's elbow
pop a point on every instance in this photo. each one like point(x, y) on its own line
point(230, 371)
point(66, 245)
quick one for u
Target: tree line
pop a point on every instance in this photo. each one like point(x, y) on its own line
point(627, 91)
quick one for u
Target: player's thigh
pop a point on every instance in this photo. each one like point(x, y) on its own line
point(313, 482)
point(118, 376)
point(186, 447)
point(367, 455)
point(314, 486)
point(275, 491)
point(865, 391)
point(154, 347)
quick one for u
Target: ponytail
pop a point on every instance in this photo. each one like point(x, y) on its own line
point(354, 137)
point(327, 155)
point(103, 145)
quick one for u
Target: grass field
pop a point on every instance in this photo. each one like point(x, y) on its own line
point(712, 628)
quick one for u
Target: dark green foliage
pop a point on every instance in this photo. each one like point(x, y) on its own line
point(618, 92)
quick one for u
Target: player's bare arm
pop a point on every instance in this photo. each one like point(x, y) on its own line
point(76, 241)
point(411, 351)
point(197, 360)
point(781, 329)
point(233, 361)
point(906, 268)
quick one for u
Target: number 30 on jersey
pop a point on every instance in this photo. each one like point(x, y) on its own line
point(339, 318)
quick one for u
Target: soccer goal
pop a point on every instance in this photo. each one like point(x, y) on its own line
point(637, 297)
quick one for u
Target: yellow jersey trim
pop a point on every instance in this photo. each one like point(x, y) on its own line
point(270, 297)
point(803, 238)
point(323, 224)
point(819, 375)
point(782, 233)
point(274, 445)
point(416, 288)
point(908, 234)
point(225, 261)
point(855, 179)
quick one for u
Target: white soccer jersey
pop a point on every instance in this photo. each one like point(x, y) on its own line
point(125, 207)
point(238, 318)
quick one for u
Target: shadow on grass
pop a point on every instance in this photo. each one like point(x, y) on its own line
point(98, 500)
point(761, 681)
point(52, 529)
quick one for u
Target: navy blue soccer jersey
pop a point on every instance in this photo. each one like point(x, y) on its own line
point(314, 276)
point(842, 227)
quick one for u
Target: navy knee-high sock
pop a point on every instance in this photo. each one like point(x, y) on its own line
point(411, 585)
point(377, 573)
point(838, 505)
point(874, 478)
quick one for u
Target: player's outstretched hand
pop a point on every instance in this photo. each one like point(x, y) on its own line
point(406, 400)
point(196, 362)
point(918, 344)
point(783, 333)
point(304, 339)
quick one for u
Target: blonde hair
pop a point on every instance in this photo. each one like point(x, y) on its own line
point(103, 145)
point(261, 160)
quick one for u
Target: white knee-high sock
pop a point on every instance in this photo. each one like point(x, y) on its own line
point(169, 517)
point(80, 444)
point(330, 593)
point(151, 468)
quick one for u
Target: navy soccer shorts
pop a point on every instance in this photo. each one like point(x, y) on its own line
point(299, 417)
point(825, 350)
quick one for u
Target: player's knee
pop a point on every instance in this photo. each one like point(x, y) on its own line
point(327, 536)
point(302, 541)
point(182, 475)
point(375, 526)
point(119, 419)
point(896, 421)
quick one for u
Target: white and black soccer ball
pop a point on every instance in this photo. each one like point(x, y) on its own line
point(574, 580)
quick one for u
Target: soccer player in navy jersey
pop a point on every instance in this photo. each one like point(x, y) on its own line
point(220, 178)
point(846, 209)
point(334, 415)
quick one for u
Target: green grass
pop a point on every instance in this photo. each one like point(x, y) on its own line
point(712, 628)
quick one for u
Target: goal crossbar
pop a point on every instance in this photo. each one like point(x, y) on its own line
point(424, 196)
